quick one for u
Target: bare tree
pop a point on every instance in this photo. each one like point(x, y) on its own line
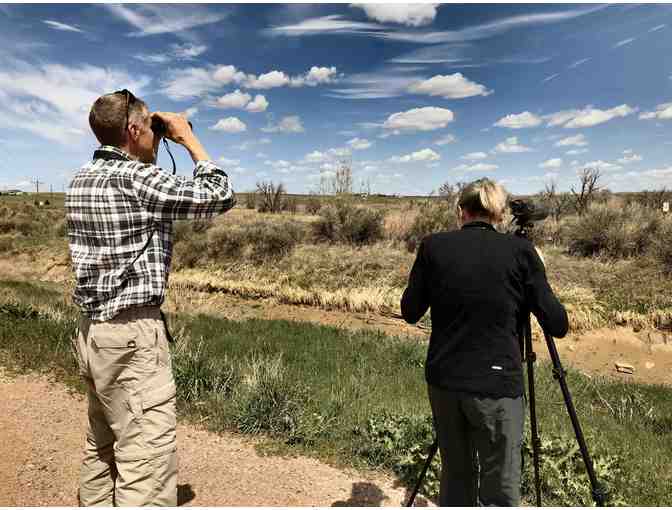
point(271, 197)
point(339, 183)
point(589, 179)
point(557, 203)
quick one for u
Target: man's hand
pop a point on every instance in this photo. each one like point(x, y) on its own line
point(179, 131)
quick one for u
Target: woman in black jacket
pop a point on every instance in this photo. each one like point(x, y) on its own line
point(480, 285)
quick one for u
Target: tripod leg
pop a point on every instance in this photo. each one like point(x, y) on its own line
point(430, 456)
point(598, 492)
point(531, 357)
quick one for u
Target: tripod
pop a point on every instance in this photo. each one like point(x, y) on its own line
point(598, 493)
point(529, 356)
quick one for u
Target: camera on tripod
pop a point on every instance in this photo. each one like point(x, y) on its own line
point(526, 213)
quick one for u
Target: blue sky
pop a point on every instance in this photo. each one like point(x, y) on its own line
point(411, 95)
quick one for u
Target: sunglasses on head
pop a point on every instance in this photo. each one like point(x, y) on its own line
point(130, 98)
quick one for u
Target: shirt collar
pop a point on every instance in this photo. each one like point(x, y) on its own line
point(112, 153)
point(479, 224)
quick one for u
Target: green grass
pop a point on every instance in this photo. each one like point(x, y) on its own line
point(359, 399)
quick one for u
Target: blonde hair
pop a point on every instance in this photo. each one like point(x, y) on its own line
point(484, 197)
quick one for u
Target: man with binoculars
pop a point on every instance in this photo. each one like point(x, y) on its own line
point(120, 208)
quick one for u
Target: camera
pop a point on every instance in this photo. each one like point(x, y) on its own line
point(524, 213)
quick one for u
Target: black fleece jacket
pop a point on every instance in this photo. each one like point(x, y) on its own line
point(479, 285)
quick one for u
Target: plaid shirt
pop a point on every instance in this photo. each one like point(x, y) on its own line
point(119, 216)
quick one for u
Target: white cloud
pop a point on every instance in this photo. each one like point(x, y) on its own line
point(663, 112)
point(511, 145)
point(657, 27)
point(421, 155)
point(473, 156)
point(576, 152)
point(190, 112)
point(268, 80)
point(289, 124)
point(188, 51)
point(315, 76)
point(427, 118)
point(359, 143)
point(629, 157)
point(624, 42)
point(551, 163)
point(152, 19)
point(57, 25)
point(227, 74)
point(251, 143)
point(450, 86)
point(587, 117)
point(236, 99)
point(414, 15)
point(445, 140)
point(551, 77)
point(578, 141)
point(519, 120)
point(259, 104)
point(229, 162)
point(602, 165)
point(478, 167)
point(278, 164)
point(316, 157)
point(230, 125)
point(339, 152)
point(53, 101)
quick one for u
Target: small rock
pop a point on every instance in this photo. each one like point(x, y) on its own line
point(571, 348)
point(649, 365)
point(624, 368)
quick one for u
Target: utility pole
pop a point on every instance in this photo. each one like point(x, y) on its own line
point(37, 183)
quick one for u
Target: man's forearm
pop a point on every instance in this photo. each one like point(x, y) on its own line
point(195, 149)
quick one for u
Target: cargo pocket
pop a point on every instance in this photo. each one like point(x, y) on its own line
point(119, 356)
point(159, 418)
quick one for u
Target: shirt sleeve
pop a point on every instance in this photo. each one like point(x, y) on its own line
point(169, 197)
point(541, 300)
point(415, 300)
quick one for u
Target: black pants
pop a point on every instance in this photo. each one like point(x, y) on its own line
point(479, 441)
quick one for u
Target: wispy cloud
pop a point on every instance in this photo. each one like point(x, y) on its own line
point(52, 101)
point(657, 27)
point(551, 77)
point(587, 117)
point(624, 42)
point(579, 62)
point(176, 52)
point(338, 24)
point(153, 19)
point(57, 25)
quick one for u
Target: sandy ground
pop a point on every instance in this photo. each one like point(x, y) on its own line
point(42, 428)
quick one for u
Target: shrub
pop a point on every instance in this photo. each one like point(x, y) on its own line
point(291, 205)
point(251, 200)
point(6, 244)
point(200, 225)
point(225, 241)
point(313, 205)
point(605, 229)
point(432, 217)
point(189, 252)
point(662, 245)
point(349, 224)
point(273, 240)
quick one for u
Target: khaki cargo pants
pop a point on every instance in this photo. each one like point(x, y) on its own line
point(130, 455)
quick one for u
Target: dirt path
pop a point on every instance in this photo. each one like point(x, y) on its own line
point(42, 428)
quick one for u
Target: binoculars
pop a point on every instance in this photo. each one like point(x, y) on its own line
point(160, 129)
